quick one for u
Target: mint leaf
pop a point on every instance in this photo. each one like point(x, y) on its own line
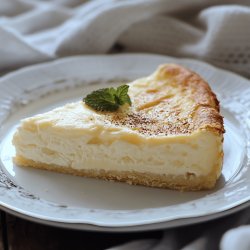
point(122, 95)
point(108, 99)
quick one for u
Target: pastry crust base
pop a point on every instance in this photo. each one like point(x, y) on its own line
point(188, 182)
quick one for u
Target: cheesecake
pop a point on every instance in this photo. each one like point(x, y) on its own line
point(171, 136)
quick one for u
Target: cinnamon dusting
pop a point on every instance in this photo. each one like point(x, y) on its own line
point(182, 104)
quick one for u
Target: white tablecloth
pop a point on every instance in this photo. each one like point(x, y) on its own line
point(33, 31)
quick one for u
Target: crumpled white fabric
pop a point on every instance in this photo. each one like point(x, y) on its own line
point(216, 31)
point(228, 233)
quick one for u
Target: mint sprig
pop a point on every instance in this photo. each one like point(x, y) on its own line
point(108, 99)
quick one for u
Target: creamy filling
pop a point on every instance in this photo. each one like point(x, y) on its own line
point(199, 153)
point(158, 134)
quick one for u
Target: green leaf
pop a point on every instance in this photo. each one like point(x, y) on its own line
point(108, 99)
point(122, 95)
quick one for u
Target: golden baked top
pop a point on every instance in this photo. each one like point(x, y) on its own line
point(173, 100)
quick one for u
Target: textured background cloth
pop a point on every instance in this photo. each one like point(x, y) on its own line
point(33, 31)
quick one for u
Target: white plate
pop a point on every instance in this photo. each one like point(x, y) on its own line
point(83, 203)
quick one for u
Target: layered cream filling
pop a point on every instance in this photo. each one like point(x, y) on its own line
point(173, 127)
point(199, 153)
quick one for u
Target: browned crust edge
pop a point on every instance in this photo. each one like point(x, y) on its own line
point(207, 111)
point(188, 182)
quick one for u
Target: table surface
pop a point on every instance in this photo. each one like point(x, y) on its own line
point(19, 234)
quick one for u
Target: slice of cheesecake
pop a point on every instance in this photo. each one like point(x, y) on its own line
point(170, 137)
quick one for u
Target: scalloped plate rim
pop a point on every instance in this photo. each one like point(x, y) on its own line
point(62, 61)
